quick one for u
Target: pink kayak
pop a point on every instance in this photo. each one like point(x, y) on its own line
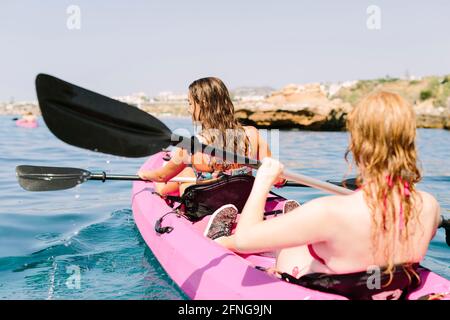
point(27, 124)
point(205, 270)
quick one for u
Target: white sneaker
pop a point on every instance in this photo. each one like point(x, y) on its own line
point(221, 222)
point(290, 205)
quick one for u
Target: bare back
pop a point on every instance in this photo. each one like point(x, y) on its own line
point(349, 244)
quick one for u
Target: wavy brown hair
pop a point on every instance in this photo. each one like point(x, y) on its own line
point(220, 127)
point(383, 132)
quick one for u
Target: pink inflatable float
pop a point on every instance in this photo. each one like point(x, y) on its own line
point(26, 124)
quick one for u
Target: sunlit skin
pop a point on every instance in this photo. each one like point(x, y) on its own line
point(338, 227)
point(29, 117)
point(177, 166)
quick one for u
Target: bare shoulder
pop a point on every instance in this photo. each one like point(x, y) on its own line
point(430, 204)
point(427, 197)
point(339, 201)
point(251, 130)
point(344, 207)
point(327, 211)
point(428, 200)
point(330, 205)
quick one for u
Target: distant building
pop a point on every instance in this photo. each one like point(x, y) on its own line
point(136, 99)
point(251, 93)
point(250, 98)
point(169, 96)
point(333, 88)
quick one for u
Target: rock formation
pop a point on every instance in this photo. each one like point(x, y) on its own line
point(296, 107)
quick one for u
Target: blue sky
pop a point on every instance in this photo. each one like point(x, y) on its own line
point(152, 46)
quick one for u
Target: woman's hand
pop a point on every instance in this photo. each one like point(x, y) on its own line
point(270, 172)
point(142, 175)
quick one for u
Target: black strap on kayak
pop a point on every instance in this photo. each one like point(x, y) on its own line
point(201, 200)
point(354, 285)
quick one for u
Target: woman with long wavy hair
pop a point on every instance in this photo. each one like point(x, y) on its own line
point(211, 108)
point(387, 223)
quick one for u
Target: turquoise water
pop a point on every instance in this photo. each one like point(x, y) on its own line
point(46, 238)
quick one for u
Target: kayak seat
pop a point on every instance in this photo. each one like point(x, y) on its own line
point(363, 285)
point(204, 198)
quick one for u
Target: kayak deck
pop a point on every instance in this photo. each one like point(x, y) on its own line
point(204, 269)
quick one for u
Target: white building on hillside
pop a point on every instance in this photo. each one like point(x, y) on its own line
point(169, 96)
point(136, 99)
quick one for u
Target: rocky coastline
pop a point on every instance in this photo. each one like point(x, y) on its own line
point(317, 107)
point(321, 107)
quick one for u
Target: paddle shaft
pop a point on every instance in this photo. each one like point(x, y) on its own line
point(192, 145)
point(122, 177)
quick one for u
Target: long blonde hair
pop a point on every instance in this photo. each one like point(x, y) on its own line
point(216, 115)
point(383, 132)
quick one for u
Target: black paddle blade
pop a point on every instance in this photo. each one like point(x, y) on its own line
point(92, 121)
point(446, 225)
point(347, 183)
point(33, 178)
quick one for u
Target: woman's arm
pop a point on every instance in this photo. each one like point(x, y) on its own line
point(263, 151)
point(259, 145)
point(306, 224)
point(163, 174)
point(263, 148)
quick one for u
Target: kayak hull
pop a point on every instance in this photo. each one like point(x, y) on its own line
point(205, 270)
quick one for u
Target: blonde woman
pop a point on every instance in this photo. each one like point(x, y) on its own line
point(387, 223)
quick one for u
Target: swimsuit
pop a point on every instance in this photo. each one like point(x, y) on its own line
point(363, 285)
point(355, 285)
point(314, 254)
point(243, 170)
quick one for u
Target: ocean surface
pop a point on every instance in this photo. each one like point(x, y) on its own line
point(82, 243)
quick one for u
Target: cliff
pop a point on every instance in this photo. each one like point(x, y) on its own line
point(325, 107)
point(315, 106)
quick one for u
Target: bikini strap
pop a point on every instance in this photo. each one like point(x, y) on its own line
point(314, 254)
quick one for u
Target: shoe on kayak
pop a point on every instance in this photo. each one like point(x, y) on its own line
point(221, 222)
point(290, 205)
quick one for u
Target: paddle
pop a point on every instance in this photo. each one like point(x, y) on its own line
point(38, 178)
point(348, 183)
point(35, 178)
point(92, 121)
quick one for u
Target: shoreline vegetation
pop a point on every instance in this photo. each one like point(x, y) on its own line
point(313, 106)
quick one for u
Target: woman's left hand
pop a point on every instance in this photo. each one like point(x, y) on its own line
point(142, 175)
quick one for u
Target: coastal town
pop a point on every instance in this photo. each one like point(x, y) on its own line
point(311, 106)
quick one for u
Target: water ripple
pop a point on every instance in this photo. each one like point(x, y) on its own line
point(47, 237)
